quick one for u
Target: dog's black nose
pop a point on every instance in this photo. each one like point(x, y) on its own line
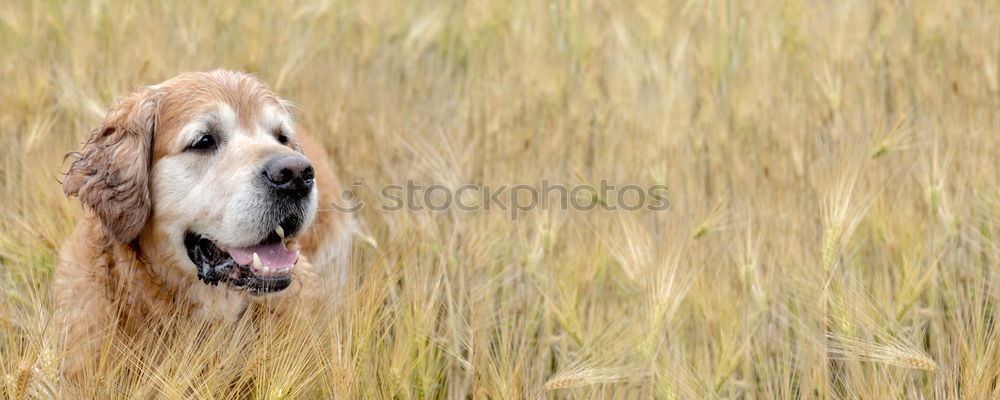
point(290, 174)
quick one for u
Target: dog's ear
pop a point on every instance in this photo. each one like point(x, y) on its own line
point(111, 173)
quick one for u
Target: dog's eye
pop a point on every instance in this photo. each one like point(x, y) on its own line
point(282, 138)
point(205, 142)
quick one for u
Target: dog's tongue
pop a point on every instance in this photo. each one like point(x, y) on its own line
point(273, 255)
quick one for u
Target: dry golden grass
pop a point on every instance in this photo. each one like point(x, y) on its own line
point(834, 229)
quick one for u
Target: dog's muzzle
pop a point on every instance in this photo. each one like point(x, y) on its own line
point(288, 181)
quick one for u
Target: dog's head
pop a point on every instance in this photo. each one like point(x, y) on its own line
point(205, 167)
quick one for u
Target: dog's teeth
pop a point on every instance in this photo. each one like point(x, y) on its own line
point(280, 231)
point(256, 261)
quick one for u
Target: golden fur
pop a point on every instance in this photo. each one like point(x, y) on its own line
point(123, 266)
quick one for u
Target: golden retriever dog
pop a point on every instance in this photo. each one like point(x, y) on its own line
point(203, 197)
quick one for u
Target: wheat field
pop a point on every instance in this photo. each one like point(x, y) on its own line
point(833, 229)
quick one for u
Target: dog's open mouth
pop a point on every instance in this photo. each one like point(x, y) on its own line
point(263, 268)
